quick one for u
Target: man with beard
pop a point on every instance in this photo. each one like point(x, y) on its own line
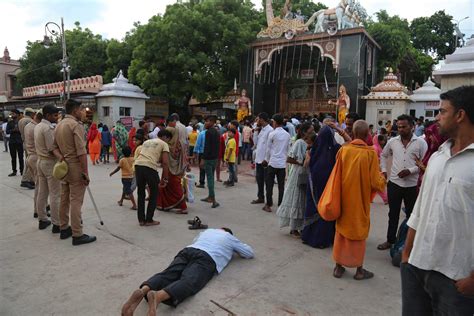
point(437, 269)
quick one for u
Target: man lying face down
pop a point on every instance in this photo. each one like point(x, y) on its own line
point(190, 270)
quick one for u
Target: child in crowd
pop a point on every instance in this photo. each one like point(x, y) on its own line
point(126, 165)
point(229, 156)
point(192, 142)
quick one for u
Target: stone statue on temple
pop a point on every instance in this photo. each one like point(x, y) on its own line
point(244, 106)
point(343, 104)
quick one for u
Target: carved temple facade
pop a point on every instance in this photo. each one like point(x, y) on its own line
point(302, 74)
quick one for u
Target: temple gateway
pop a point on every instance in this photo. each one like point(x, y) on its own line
point(290, 70)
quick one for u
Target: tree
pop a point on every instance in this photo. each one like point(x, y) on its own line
point(86, 53)
point(393, 34)
point(193, 49)
point(434, 35)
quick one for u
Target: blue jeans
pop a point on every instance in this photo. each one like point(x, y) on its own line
point(232, 175)
point(426, 292)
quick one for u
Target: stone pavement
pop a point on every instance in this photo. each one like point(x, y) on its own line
point(42, 275)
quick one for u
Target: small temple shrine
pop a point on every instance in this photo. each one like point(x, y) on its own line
point(425, 101)
point(121, 100)
point(387, 100)
point(290, 69)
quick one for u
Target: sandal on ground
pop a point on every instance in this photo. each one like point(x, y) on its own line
point(119, 203)
point(340, 274)
point(386, 245)
point(206, 200)
point(133, 208)
point(257, 201)
point(365, 275)
point(198, 225)
point(192, 221)
point(215, 204)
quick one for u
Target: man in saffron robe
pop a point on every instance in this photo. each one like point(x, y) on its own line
point(357, 173)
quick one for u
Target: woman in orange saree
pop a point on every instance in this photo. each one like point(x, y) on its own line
point(93, 140)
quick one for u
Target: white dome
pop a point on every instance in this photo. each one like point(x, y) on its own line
point(120, 87)
point(428, 92)
point(459, 62)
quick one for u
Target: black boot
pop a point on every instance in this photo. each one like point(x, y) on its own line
point(56, 229)
point(84, 239)
point(65, 233)
point(43, 224)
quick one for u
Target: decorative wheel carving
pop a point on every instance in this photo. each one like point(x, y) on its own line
point(329, 46)
point(262, 53)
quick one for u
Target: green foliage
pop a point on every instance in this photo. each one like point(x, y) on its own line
point(393, 35)
point(307, 7)
point(416, 67)
point(86, 53)
point(193, 52)
point(434, 35)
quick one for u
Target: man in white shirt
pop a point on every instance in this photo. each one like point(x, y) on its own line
point(437, 269)
point(191, 269)
point(403, 178)
point(260, 150)
point(275, 157)
point(6, 136)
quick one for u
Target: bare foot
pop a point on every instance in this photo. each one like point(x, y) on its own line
point(153, 223)
point(133, 208)
point(129, 307)
point(119, 203)
point(151, 297)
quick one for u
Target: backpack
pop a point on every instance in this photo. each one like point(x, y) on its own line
point(397, 247)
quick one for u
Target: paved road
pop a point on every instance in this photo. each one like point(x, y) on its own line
point(42, 275)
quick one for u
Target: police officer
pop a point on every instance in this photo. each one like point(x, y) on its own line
point(71, 146)
point(48, 185)
point(32, 158)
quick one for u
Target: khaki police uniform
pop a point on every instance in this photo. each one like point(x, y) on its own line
point(48, 185)
point(69, 137)
point(31, 158)
point(28, 173)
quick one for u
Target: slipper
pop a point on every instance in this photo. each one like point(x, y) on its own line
point(120, 204)
point(206, 200)
point(386, 245)
point(365, 275)
point(215, 204)
point(338, 276)
point(257, 201)
point(133, 208)
point(197, 225)
point(192, 221)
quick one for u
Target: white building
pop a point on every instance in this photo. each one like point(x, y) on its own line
point(458, 68)
point(386, 101)
point(425, 101)
point(122, 101)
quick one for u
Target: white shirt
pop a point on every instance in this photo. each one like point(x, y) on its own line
point(277, 148)
point(443, 216)
point(189, 129)
point(403, 159)
point(262, 138)
point(154, 133)
point(4, 129)
point(220, 246)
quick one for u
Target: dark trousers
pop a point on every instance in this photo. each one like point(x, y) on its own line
point(189, 272)
point(202, 172)
point(105, 153)
point(210, 168)
point(246, 151)
point(431, 293)
point(397, 194)
point(232, 174)
point(146, 176)
point(16, 149)
point(270, 180)
point(260, 175)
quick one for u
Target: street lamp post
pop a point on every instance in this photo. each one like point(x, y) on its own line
point(458, 30)
point(64, 62)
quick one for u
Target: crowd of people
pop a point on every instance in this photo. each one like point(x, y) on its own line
point(327, 175)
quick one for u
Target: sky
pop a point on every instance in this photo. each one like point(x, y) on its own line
point(23, 20)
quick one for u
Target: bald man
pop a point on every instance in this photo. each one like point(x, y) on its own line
point(357, 174)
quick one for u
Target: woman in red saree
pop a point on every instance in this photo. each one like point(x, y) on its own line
point(172, 196)
point(131, 139)
point(93, 141)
